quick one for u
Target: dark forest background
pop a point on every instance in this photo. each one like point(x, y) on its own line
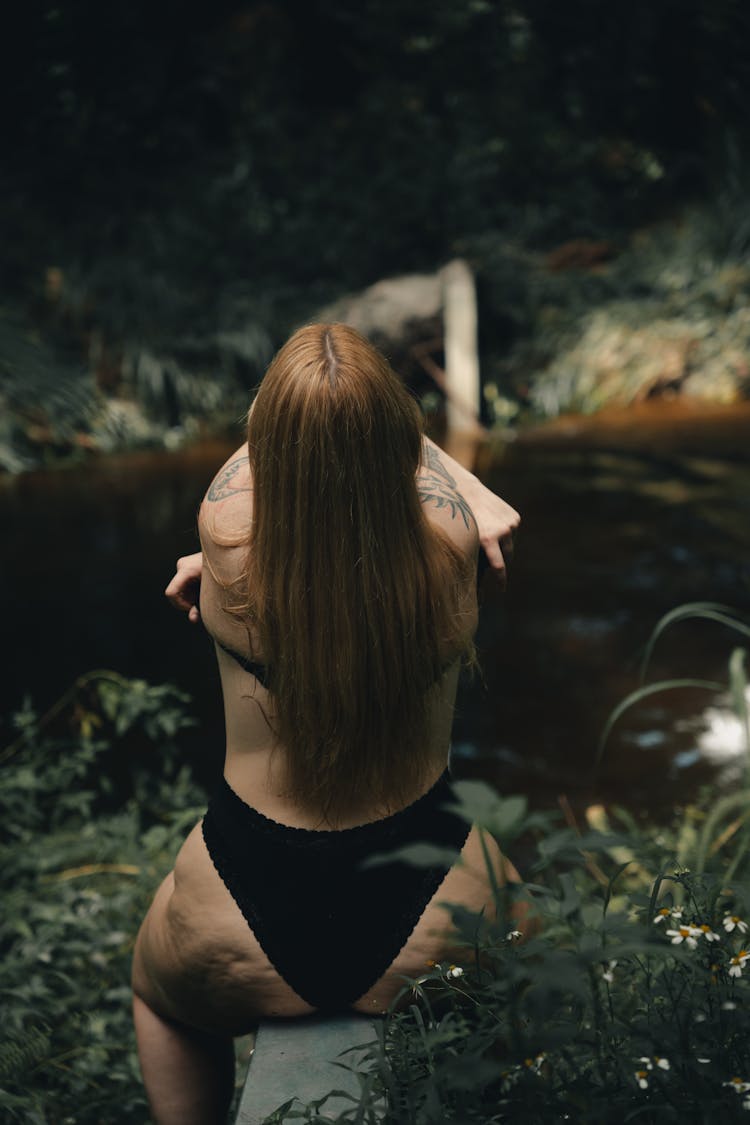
point(175, 173)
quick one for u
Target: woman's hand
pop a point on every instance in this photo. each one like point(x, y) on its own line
point(184, 589)
point(496, 520)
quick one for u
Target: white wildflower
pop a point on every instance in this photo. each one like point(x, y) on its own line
point(738, 1085)
point(731, 922)
point(650, 1061)
point(536, 1063)
point(508, 1079)
point(674, 912)
point(608, 973)
point(737, 964)
point(688, 934)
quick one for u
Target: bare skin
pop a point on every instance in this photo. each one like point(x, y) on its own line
point(200, 976)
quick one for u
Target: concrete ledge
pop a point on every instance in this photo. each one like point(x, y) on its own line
point(296, 1059)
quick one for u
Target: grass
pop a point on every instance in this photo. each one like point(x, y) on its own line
point(626, 1000)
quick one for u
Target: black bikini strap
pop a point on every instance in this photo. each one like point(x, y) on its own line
point(260, 671)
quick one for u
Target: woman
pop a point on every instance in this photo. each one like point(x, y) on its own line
point(338, 585)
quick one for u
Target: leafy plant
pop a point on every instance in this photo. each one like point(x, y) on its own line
point(90, 826)
point(627, 998)
point(611, 986)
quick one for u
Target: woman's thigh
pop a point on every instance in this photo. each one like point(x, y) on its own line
point(434, 938)
point(198, 962)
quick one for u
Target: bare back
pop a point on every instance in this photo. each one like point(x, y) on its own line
point(253, 764)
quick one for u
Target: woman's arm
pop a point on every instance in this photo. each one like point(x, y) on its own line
point(496, 520)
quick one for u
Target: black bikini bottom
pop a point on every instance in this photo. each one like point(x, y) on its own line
point(328, 921)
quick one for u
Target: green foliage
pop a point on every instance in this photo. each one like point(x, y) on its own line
point(90, 825)
point(229, 184)
point(627, 998)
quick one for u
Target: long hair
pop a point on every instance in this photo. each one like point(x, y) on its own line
point(352, 595)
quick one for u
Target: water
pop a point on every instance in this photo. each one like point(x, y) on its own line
point(625, 516)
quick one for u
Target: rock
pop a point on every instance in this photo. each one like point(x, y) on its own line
point(409, 317)
point(393, 313)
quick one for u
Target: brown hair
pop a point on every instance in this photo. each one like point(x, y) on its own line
point(353, 596)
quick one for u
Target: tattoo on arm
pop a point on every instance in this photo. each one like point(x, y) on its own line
point(432, 488)
point(433, 462)
point(224, 483)
point(435, 484)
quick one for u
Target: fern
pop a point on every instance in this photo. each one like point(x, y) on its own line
point(22, 1051)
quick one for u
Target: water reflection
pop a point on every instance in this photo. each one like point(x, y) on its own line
point(619, 527)
point(720, 739)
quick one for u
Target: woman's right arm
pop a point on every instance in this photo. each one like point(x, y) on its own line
point(183, 591)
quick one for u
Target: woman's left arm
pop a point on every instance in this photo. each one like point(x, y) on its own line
point(496, 520)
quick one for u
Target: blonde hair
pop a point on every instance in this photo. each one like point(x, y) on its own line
point(352, 595)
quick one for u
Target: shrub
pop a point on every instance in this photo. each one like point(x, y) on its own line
point(627, 1000)
point(89, 830)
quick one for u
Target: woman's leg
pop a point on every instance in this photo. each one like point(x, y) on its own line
point(188, 1074)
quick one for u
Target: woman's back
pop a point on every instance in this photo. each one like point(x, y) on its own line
point(254, 764)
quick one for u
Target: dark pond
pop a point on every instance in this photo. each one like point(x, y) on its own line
point(625, 516)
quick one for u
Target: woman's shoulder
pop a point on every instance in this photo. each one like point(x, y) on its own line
point(232, 480)
point(226, 511)
point(230, 492)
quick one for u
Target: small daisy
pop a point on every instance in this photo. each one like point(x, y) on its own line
point(737, 964)
point(708, 933)
point(608, 973)
point(454, 971)
point(688, 934)
point(667, 912)
point(508, 1079)
point(654, 1060)
point(535, 1064)
point(737, 1085)
point(731, 922)
point(513, 935)
point(641, 1077)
